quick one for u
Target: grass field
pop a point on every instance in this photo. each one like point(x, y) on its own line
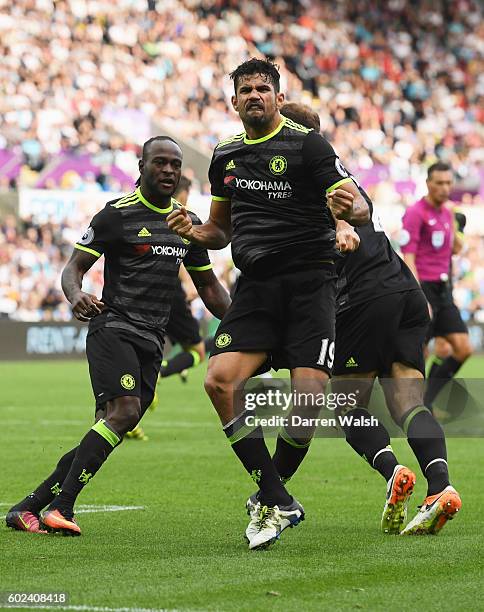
point(184, 548)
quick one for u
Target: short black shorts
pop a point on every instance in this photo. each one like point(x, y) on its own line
point(182, 326)
point(446, 317)
point(372, 336)
point(290, 316)
point(122, 363)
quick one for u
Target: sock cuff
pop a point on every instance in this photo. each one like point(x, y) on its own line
point(196, 357)
point(438, 460)
point(238, 428)
point(291, 441)
point(387, 449)
point(410, 415)
point(106, 432)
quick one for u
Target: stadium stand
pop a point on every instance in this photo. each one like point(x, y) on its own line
point(84, 83)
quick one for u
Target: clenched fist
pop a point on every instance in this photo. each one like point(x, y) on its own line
point(179, 221)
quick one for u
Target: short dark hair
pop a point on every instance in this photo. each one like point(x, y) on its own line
point(438, 167)
point(301, 113)
point(184, 185)
point(257, 66)
point(148, 143)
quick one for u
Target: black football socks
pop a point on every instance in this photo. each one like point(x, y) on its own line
point(92, 452)
point(427, 440)
point(249, 446)
point(439, 376)
point(47, 490)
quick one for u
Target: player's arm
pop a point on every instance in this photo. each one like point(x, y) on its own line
point(347, 204)
point(214, 295)
point(84, 305)
point(333, 181)
point(214, 234)
point(347, 240)
point(409, 259)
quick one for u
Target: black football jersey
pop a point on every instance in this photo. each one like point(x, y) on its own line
point(374, 269)
point(276, 187)
point(141, 261)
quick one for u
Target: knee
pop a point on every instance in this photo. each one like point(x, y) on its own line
point(462, 350)
point(217, 384)
point(124, 414)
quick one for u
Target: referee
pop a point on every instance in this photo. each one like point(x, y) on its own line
point(429, 239)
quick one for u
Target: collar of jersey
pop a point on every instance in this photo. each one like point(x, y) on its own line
point(144, 201)
point(276, 131)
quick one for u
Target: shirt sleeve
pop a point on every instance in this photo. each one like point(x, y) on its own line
point(216, 177)
point(323, 164)
point(98, 235)
point(197, 258)
point(410, 235)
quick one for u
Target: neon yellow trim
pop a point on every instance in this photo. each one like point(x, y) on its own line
point(144, 201)
point(413, 414)
point(231, 139)
point(220, 199)
point(297, 126)
point(287, 438)
point(242, 433)
point(83, 248)
point(106, 433)
point(460, 235)
point(199, 268)
point(336, 185)
point(268, 137)
point(196, 357)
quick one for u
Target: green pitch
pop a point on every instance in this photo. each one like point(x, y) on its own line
point(184, 549)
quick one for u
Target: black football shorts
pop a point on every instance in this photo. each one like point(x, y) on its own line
point(372, 336)
point(446, 318)
point(182, 327)
point(122, 363)
point(289, 316)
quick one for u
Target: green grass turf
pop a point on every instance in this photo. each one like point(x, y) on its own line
point(186, 549)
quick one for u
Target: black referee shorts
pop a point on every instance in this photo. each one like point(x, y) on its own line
point(122, 363)
point(446, 318)
point(290, 316)
point(374, 335)
point(182, 327)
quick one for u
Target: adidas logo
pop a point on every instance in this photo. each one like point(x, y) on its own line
point(230, 165)
point(143, 233)
point(351, 363)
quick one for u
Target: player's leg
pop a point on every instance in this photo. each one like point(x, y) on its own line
point(24, 516)
point(183, 328)
point(115, 371)
point(227, 373)
point(442, 350)
point(450, 325)
point(427, 441)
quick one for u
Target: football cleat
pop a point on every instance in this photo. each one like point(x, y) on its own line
point(399, 489)
point(269, 522)
point(54, 522)
point(434, 513)
point(253, 507)
point(137, 434)
point(183, 376)
point(23, 520)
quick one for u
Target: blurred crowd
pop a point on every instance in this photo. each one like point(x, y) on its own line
point(32, 256)
point(396, 83)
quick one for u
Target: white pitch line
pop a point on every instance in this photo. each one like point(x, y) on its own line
point(92, 508)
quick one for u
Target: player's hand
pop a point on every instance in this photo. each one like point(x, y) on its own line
point(347, 240)
point(85, 306)
point(179, 221)
point(340, 203)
